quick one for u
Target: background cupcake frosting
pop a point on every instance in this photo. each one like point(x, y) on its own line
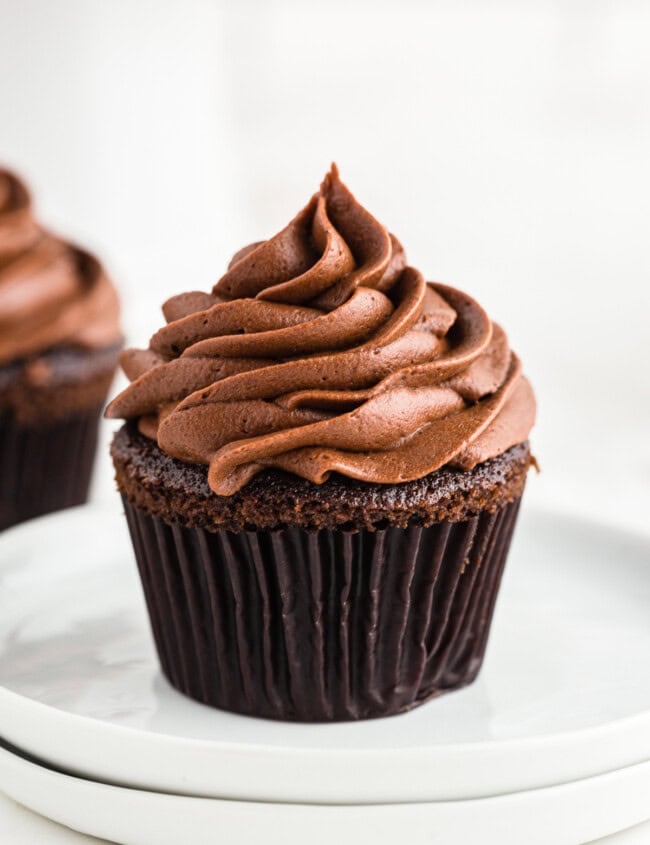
point(52, 294)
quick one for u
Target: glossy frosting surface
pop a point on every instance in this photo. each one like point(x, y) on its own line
point(52, 294)
point(319, 351)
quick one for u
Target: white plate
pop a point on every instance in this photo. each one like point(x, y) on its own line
point(564, 694)
point(571, 814)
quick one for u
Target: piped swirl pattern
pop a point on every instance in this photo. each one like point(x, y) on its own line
point(321, 350)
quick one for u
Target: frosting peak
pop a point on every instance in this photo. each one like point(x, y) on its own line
point(333, 245)
point(321, 351)
point(52, 294)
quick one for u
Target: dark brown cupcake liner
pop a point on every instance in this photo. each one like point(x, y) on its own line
point(45, 468)
point(323, 625)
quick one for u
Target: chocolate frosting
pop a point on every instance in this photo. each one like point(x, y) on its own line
point(52, 294)
point(321, 351)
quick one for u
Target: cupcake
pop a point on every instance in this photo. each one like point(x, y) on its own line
point(321, 470)
point(59, 347)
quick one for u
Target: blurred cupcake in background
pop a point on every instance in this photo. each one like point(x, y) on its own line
point(59, 344)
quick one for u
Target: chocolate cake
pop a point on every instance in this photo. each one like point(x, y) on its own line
point(59, 345)
point(321, 469)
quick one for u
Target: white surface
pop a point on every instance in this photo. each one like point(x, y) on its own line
point(21, 826)
point(563, 815)
point(563, 693)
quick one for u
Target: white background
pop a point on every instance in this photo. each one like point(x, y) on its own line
point(507, 144)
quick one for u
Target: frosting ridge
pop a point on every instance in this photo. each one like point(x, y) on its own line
point(320, 350)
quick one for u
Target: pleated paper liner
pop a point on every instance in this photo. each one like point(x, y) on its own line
point(45, 468)
point(323, 625)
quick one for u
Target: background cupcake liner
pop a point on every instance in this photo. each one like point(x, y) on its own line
point(45, 468)
point(321, 625)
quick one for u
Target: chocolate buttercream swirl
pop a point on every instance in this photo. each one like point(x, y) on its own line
point(321, 351)
point(52, 294)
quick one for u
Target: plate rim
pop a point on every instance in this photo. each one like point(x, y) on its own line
point(629, 733)
point(41, 789)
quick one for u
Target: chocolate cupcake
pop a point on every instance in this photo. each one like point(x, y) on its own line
point(321, 470)
point(59, 345)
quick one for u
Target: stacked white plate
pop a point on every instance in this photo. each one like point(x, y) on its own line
point(550, 745)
